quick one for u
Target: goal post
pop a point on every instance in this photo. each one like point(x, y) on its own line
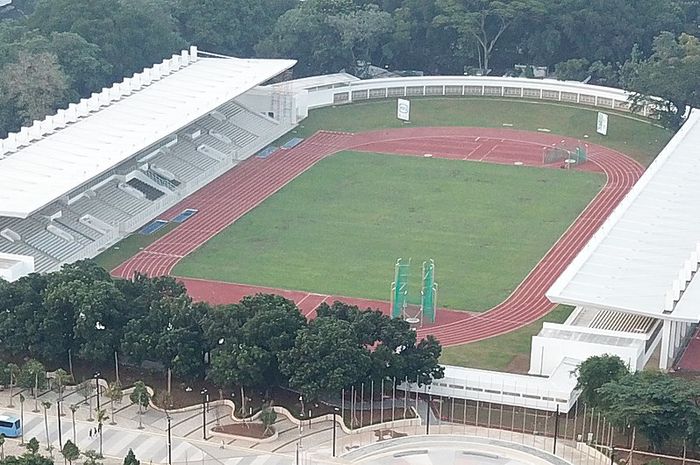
point(569, 151)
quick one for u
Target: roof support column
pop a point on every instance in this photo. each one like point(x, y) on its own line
point(673, 344)
point(665, 345)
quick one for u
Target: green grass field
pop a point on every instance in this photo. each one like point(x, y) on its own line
point(631, 135)
point(339, 228)
point(502, 353)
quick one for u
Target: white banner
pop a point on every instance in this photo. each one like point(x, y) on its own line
point(602, 126)
point(403, 109)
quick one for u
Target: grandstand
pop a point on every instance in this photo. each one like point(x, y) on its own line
point(635, 284)
point(80, 180)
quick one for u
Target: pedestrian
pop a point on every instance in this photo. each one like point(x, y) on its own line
point(90, 433)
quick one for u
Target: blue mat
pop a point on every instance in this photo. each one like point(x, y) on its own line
point(186, 214)
point(150, 228)
point(293, 142)
point(267, 151)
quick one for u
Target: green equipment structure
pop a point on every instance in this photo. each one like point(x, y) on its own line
point(399, 288)
point(402, 304)
point(428, 292)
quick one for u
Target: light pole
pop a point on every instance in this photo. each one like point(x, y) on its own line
point(170, 440)
point(204, 413)
point(97, 387)
point(21, 417)
point(335, 413)
point(60, 433)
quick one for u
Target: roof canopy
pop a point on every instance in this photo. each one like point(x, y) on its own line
point(55, 156)
point(644, 258)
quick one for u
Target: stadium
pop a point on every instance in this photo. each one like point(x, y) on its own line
point(201, 143)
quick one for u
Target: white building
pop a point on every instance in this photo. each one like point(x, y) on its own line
point(635, 283)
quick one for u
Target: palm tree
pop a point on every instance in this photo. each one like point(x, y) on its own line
point(62, 378)
point(47, 405)
point(101, 418)
point(2, 447)
point(115, 394)
point(12, 371)
point(73, 409)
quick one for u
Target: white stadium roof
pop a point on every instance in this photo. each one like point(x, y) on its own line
point(644, 257)
point(53, 157)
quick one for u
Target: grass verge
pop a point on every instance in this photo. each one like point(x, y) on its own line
point(508, 352)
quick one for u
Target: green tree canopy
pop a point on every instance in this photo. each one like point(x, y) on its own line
point(596, 371)
point(672, 72)
point(325, 358)
point(170, 333)
point(658, 405)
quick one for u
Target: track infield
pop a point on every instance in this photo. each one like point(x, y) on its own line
point(256, 179)
point(339, 228)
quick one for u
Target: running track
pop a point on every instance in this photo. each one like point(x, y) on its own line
point(229, 197)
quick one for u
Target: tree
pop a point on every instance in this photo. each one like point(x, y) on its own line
point(362, 31)
point(238, 364)
point(656, 404)
point(61, 377)
point(170, 334)
point(36, 83)
point(268, 416)
point(70, 452)
point(46, 405)
point(139, 394)
point(131, 459)
point(85, 389)
point(324, 359)
point(114, 394)
point(101, 418)
point(32, 446)
point(141, 397)
point(596, 371)
point(131, 35)
point(12, 371)
point(575, 69)
point(92, 458)
point(32, 374)
point(73, 408)
point(484, 21)
point(306, 33)
point(224, 26)
point(2, 447)
point(671, 73)
point(395, 352)
point(98, 319)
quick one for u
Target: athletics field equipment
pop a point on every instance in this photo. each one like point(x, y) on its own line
point(403, 304)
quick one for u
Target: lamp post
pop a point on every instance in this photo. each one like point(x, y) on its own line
point(97, 387)
point(203, 392)
point(428, 412)
point(335, 413)
point(170, 440)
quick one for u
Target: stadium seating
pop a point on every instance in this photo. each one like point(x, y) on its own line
point(150, 192)
point(62, 229)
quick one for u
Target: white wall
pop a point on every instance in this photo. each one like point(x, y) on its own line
point(547, 352)
point(18, 266)
point(536, 392)
point(517, 88)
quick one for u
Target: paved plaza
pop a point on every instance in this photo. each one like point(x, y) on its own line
point(146, 434)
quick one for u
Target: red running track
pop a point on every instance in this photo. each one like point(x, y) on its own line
point(228, 198)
